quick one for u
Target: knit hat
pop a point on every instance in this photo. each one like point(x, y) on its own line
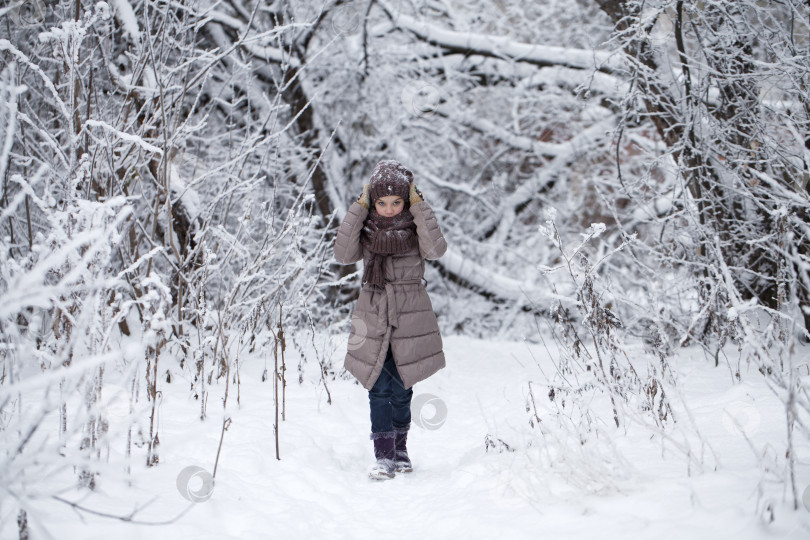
point(390, 177)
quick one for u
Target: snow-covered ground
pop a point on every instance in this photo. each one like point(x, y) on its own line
point(626, 483)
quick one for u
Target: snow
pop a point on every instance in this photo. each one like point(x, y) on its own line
point(124, 136)
point(6, 45)
point(503, 46)
point(181, 191)
point(500, 284)
point(260, 50)
point(628, 483)
point(8, 113)
point(126, 17)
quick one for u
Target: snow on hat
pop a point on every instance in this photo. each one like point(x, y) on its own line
point(390, 177)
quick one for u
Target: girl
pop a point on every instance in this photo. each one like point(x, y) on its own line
point(394, 340)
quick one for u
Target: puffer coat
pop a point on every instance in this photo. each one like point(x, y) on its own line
point(401, 313)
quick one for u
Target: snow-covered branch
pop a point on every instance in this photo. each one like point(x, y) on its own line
point(503, 47)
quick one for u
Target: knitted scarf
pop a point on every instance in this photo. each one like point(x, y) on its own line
point(384, 236)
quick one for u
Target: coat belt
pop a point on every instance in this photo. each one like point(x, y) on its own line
point(390, 293)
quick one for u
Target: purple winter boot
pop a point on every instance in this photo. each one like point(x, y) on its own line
point(401, 460)
point(384, 468)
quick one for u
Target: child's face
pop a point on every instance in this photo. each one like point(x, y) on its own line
point(390, 205)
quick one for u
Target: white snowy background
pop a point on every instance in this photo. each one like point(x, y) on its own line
point(625, 301)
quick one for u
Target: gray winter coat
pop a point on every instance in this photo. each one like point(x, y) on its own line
point(400, 314)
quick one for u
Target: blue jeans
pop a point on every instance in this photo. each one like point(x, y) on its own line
point(389, 400)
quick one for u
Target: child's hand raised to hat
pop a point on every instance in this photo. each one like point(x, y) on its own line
point(416, 195)
point(363, 200)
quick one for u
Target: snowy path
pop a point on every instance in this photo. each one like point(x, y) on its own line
point(320, 488)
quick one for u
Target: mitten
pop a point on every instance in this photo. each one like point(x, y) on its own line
point(363, 200)
point(416, 195)
point(370, 229)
